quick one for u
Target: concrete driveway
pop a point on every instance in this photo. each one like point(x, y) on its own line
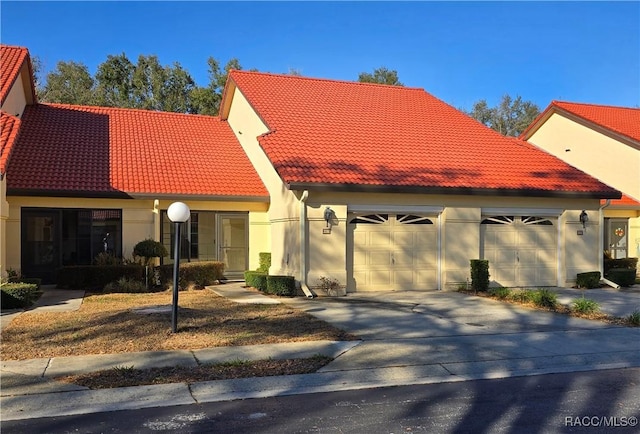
point(467, 335)
point(616, 302)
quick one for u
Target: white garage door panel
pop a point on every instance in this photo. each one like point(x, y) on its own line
point(392, 252)
point(522, 251)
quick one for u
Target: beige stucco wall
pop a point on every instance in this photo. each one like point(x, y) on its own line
point(284, 210)
point(4, 215)
point(140, 220)
point(460, 231)
point(612, 161)
point(16, 101)
point(607, 158)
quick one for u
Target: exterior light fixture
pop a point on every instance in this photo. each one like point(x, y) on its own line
point(584, 218)
point(328, 215)
point(178, 213)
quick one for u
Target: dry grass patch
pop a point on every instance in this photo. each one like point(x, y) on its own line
point(108, 323)
point(126, 376)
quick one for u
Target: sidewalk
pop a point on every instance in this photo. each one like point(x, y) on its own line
point(408, 338)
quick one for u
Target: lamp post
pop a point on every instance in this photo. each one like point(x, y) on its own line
point(178, 213)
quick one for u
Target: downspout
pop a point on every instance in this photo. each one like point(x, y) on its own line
point(601, 245)
point(303, 245)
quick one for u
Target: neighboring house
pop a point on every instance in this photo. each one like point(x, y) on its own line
point(84, 180)
point(603, 141)
point(378, 187)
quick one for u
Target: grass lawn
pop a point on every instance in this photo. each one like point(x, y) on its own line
point(108, 323)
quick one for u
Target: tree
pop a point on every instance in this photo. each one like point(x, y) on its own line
point(510, 117)
point(206, 100)
point(69, 83)
point(114, 80)
point(381, 75)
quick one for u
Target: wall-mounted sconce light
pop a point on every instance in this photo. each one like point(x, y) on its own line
point(584, 218)
point(328, 215)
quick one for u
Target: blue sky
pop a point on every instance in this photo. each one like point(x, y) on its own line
point(458, 51)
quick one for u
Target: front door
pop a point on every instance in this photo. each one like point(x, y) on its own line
point(616, 234)
point(41, 244)
point(233, 248)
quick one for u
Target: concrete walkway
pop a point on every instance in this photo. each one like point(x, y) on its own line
point(407, 338)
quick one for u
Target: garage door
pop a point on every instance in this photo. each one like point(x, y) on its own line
point(393, 252)
point(522, 250)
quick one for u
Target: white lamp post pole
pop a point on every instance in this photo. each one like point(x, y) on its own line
point(178, 213)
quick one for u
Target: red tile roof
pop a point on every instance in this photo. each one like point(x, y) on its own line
point(624, 121)
point(12, 59)
point(624, 202)
point(9, 126)
point(356, 134)
point(99, 151)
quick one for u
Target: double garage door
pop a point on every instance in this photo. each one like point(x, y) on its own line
point(394, 252)
point(522, 250)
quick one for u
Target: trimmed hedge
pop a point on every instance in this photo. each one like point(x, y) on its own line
point(281, 285)
point(18, 295)
point(192, 274)
point(628, 263)
point(479, 274)
point(265, 261)
point(622, 276)
point(590, 279)
point(254, 278)
point(96, 276)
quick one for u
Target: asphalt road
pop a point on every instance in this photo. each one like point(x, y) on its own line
point(591, 402)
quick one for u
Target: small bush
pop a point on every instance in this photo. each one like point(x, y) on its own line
point(589, 279)
point(634, 318)
point(260, 281)
point(281, 285)
point(192, 274)
point(545, 298)
point(622, 276)
point(18, 295)
point(265, 262)
point(628, 263)
point(585, 306)
point(149, 249)
point(329, 286)
point(522, 296)
point(104, 259)
point(479, 274)
point(126, 285)
point(500, 293)
point(250, 277)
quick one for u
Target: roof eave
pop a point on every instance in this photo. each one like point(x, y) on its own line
point(126, 195)
point(467, 191)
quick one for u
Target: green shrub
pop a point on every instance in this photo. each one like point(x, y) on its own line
point(149, 249)
point(260, 281)
point(192, 274)
point(250, 277)
point(265, 262)
point(585, 305)
point(479, 274)
point(126, 285)
point(501, 293)
point(104, 258)
point(522, 295)
point(545, 298)
point(634, 318)
point(590, 279)
point(96, 276)
point(281, 285)
point(18, 295)
point(622, 276)
point(34, 280)
point(628, 263)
